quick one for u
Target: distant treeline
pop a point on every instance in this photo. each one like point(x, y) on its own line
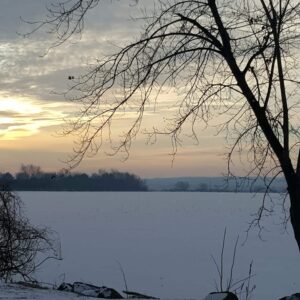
point(218, 184)
point(32, 178)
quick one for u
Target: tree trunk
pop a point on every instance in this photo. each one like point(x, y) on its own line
point(294, 192)
point(295, 220)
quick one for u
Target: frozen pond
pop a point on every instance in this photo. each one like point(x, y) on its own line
point(164, 241)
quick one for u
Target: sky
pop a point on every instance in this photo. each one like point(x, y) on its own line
point(33, 111)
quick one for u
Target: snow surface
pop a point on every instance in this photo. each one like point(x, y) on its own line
point(164, 241)
point(13, 291)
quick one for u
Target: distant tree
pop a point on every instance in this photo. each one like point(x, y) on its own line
point(203, 187)
point(28, 171)
point(6, 179)
point(237, 58)
point(101, 172)
point(181, 186)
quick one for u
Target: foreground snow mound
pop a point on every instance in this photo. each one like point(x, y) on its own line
point(104, 292)
point(221, 296)
point(90, 290)
point(95, 291)
point(293, 297)
point(27, 292)
point(17, 291)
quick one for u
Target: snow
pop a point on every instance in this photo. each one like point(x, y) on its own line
point(14, 291)
point(20, 291)
point(163, 241)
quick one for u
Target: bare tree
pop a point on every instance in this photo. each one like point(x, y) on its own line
point(232, 57)
point(20, 242)
point(30, 170)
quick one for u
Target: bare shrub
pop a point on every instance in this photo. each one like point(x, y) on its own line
point(20, 242)
point(243, 287)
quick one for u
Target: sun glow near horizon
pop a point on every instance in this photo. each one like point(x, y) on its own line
point(22, 117)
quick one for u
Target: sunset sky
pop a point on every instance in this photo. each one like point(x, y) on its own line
point(32, 111)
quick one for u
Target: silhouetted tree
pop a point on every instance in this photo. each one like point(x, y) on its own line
point(20, 242)
point(181, 186)
point(30, 170)
point(6, 179)
point(232, 57)
point(203, 187)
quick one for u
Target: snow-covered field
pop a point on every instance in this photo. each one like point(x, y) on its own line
point(164, 241)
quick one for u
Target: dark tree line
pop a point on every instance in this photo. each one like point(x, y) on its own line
point(31, 178)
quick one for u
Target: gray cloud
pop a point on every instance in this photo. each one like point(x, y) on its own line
point(8, 114)
point(23, 69)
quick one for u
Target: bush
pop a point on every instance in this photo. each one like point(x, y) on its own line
point(20, 242)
